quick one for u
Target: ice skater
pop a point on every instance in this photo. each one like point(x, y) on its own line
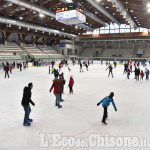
point(70, 85)
point(56, 73)
point(69, 68)
point(105, 103)
point(6, 69)
point(147, 74)
point(25, 103)
point(49, 70)
point(142, 75)
point(56, 85)
point(125, 68)
point(62, 86)
point(110, 71)
point(86, 65)
point(10, 68)
point(60, 66)
point(20, 66)
point(81, 69)
point(128, 73)
point(115, 64)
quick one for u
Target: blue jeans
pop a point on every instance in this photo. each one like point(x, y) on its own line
point(27, 110)
point(110, 72)
point(57, 99)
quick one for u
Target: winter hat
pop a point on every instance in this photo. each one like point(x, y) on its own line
point(111, 95)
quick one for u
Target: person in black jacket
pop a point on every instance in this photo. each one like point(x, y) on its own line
point(6, 69)
point(81, 67)
point(25, 103)
point(62, 86)
point(110, 71)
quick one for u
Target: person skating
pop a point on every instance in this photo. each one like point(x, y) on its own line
point(125, 68)
point(128, 73)
point(6, 69)
point(49, 70)
point(25, 103)
point(10, 68)
point(86, 65)
point(138, 74)
point(142, 75)
point(62, 86)
point(115, 64)
point(60, 66)
point(70, 85)
point(110, 71)
point(147, 74)
point(69, 69)
point(56, 85)
point(20, 66)
point(81, 69)
point(105, 103)
point(131, 67)
point(56, 73)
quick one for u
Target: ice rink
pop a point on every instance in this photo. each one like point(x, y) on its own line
point(79, 117)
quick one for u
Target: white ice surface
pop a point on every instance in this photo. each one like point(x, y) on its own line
point(79, 116)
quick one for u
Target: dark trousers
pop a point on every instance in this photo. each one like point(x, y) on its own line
point(27, 110)
point(81, 69)
point(61, 96)
point(137, 77)
point(6, 74)
point(105, 114)
point(49, 71)
point(70, 89)
point(110, 72)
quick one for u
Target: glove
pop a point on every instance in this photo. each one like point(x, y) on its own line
point(116, 109)
point(97, 104)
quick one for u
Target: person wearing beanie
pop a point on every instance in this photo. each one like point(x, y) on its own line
point(56, 85)
point(70, 85)
point(25, 103)
point(105, 103)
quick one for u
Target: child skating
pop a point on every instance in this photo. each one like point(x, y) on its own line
point(70, 85)
point(105, 103)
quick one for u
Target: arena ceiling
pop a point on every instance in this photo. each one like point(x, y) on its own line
point(105, 12)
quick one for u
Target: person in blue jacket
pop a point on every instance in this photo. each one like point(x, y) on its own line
point(105, 103)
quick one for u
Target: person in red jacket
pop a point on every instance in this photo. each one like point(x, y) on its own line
point(59, 66)
point(56, 85)
point(131, 67)
point(71, 83)
point(142, 74)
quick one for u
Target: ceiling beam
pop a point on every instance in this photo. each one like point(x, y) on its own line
point(42, 10)
point(103, 10)
point(118, 4)
point(34, 27)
